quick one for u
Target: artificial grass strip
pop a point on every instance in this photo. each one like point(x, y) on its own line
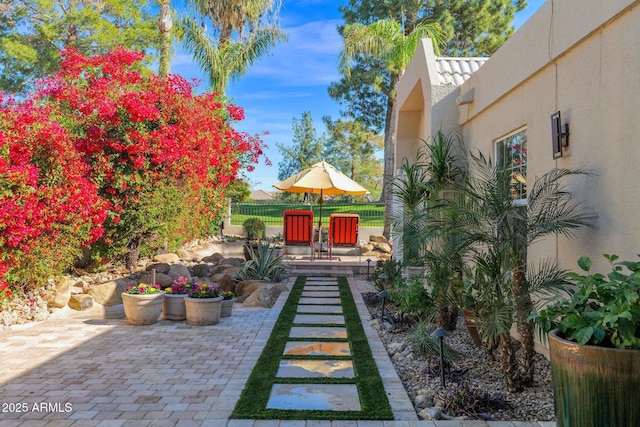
point(255, 396)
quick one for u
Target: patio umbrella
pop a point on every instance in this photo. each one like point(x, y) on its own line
point(323, 179)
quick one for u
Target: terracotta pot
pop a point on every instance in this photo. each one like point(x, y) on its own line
point(203, 311)
point(594, 386)
point(173, 307)
point(470, 322)
point(142, 309)
point(226, 307)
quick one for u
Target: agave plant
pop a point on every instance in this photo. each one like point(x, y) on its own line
point(263, 264)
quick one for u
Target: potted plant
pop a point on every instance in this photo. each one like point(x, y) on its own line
point(227, 303)
point(173, 304)
point(203, 305)
point(594, 342)
point(142, 303)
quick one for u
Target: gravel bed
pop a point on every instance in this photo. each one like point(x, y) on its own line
point(533, 404)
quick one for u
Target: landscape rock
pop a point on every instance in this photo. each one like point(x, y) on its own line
point(216, 258)
point(423, 401)
point(169, 258)
point(369, 247)
point(61, 293)
point(81, 302)
point(265, 296)
point(246, 287)
point(378, 239)
point(236, 262)
point(201, 270)
point(177, 270)
point(384, 247)
point(108, 293)
point(227, 282)
point(433, 413)
point(183, 254)
point(159, 267)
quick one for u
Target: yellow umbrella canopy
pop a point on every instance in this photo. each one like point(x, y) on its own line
point(321, 178)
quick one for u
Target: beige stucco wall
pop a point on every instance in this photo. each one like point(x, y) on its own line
point(587, 66)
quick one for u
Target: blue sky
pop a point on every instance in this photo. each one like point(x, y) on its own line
point(294, 78)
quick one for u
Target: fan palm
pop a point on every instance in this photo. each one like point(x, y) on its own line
point(388, 41)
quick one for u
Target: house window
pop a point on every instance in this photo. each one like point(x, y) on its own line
point(511, 153)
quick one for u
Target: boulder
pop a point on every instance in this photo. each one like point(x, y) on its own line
point(228, 270)
point(159, 267)
point(61, 293)
point(177, 270)
point(169, 258)
point(367, 248)
point(81, 302)
point(201, 270)
point(378, 239)
point(371, 254)
point(246, 287)
point(183, 254)
point(108, 293)
point(227, 283)
point(265, 296)
point(163, 280)
point(236, 262)
point(214, 259)
point(384, 247)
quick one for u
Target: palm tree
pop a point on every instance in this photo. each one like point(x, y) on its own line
point(504, 284)
point(251, 22)
point(389, 41)
point(165, 24)
point(428, 191)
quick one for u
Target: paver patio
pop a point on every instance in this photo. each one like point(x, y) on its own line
point(83, 372)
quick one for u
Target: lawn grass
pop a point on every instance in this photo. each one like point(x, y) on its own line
point(371, 214)
point(373, 399)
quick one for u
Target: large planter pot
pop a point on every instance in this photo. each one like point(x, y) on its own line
point(594, 386)
point(226, 307)
point(203, 311)
point(173, 307)
point(142, 309)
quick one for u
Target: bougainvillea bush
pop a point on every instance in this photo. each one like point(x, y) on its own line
point(161, 155)
point(48, 206)
point(108, 155)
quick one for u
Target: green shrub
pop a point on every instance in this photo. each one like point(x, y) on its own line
point(413, 299)
point(254, 228)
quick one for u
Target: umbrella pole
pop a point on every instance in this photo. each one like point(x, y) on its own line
point(320, 227)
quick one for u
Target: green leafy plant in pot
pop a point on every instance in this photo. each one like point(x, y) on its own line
point(594, 342)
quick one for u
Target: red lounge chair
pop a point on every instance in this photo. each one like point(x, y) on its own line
point(297, 229)
point(343, 231)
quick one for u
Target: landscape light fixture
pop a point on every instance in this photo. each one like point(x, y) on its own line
point(384, 295)
point(441, 333)
point(368, 265)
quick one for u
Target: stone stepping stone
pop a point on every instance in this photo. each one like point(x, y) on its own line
point(320, 294)
point(327, 397)
point(319, 319)
point(325, 309)
point(321, 279)
point(315, 369)
point(307, 300)
point(317, 348)
point(318, 332)
point(320, 288)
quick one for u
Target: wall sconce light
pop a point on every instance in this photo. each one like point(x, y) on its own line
point(559, 134)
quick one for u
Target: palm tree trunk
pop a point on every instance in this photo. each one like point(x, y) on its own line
point(164, 25)
point(524, 306)
point(389, 156)
point(509, 364)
